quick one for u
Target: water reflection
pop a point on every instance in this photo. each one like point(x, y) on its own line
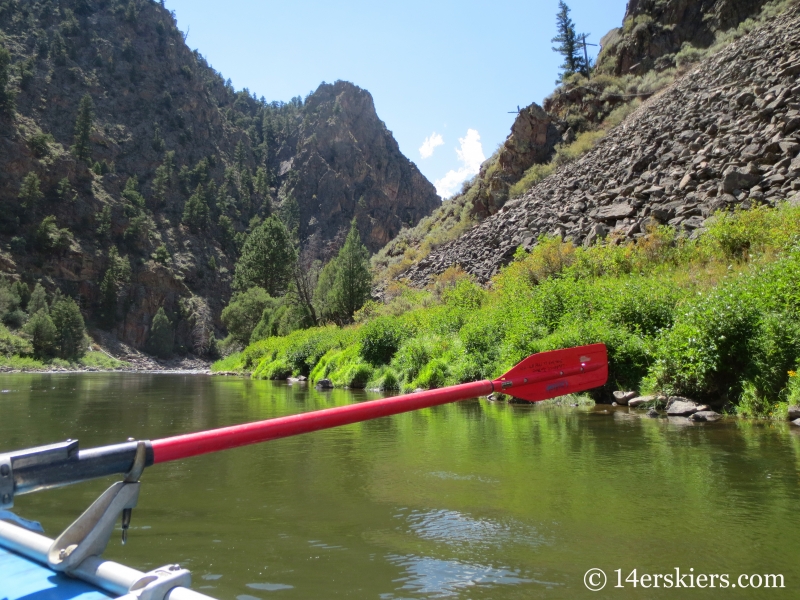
point(436, 578)
point(455, 528)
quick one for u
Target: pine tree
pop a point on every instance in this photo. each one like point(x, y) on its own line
point(83, 128)
point(161, 339)
point(38, 299)
point(240, 156)
point(117, 275)
point(345, 283)
point(267, 260)
point(70, 329)
point(30, 192)
point(568, 39)
point(42, 330)
point(6, 95)
point(196, 211)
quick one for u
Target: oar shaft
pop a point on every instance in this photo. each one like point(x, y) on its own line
point(203, 442)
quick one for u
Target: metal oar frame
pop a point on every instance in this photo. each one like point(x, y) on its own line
point(88, 536)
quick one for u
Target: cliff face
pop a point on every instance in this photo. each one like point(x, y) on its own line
point(725, 135)
point(655, 30)
point(178, 166)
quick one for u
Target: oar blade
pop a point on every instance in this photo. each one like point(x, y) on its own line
point(557, 373)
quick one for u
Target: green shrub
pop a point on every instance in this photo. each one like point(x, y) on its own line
point(42, 331)
point(380, 339)
point(11, 344)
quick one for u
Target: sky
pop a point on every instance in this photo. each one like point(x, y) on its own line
point(446, 76)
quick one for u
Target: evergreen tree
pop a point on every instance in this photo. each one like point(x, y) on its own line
point(568, 44)
point(117, 275)
point(267, 260)
point(161, 339)
point(30, 192)
point(240, 156)
point(345, 283)
point(196, 211)
point(70, 329)
point(38, 299)
point(131, 192)
point(83, 128)
point(42, 330)
point(290, 215)
point(23, 291)
point(6, 95)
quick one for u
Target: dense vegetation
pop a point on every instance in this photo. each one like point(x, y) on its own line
point(716, 318)
point(280, 292)
point(39, 332)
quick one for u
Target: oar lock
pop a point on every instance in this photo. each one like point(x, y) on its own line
point(90, 533)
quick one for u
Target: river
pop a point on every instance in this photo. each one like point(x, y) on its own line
point(472, 500)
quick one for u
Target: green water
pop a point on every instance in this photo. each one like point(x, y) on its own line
point(473, 500)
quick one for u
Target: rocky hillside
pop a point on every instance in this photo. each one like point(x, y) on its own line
point(654, 31)
point(662, 39)
point(175, 167)
point(725, 135)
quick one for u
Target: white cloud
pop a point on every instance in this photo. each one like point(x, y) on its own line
point(433, 140)
point(470, 154)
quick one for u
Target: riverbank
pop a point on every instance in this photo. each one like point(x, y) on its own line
point(106, 354)
point(714, 318)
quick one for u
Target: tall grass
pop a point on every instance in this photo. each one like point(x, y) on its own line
point(716, 318)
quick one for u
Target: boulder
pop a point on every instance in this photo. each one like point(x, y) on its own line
point(794, 412)
point(614, 212)
point(324, 384)
point(653, 413)
point(706, 416)
point(736, 179)
point(678, 406)
point(622, 398)
point(638, 401)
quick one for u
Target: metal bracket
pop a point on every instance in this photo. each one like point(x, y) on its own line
point(157, 584)
point(90, 533)
point(6, 482)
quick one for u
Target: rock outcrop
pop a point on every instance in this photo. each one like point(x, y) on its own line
point(655, 30)
point(725, 135)
point(343, 163)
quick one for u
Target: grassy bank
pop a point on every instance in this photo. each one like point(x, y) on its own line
point(716, 319)
point(16, 354)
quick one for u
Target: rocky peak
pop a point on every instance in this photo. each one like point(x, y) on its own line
point(349, 165)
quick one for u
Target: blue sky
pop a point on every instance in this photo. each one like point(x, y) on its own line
point(443, 71)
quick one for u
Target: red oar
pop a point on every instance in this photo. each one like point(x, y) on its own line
point(538, 377)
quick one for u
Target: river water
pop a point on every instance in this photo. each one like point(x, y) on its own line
point(472, 500)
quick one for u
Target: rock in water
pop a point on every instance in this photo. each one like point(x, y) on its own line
point(638, 401)
point(706, 415)
point(794, 413)
point(681, 407)
point(324, 384)
point(624, 397)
